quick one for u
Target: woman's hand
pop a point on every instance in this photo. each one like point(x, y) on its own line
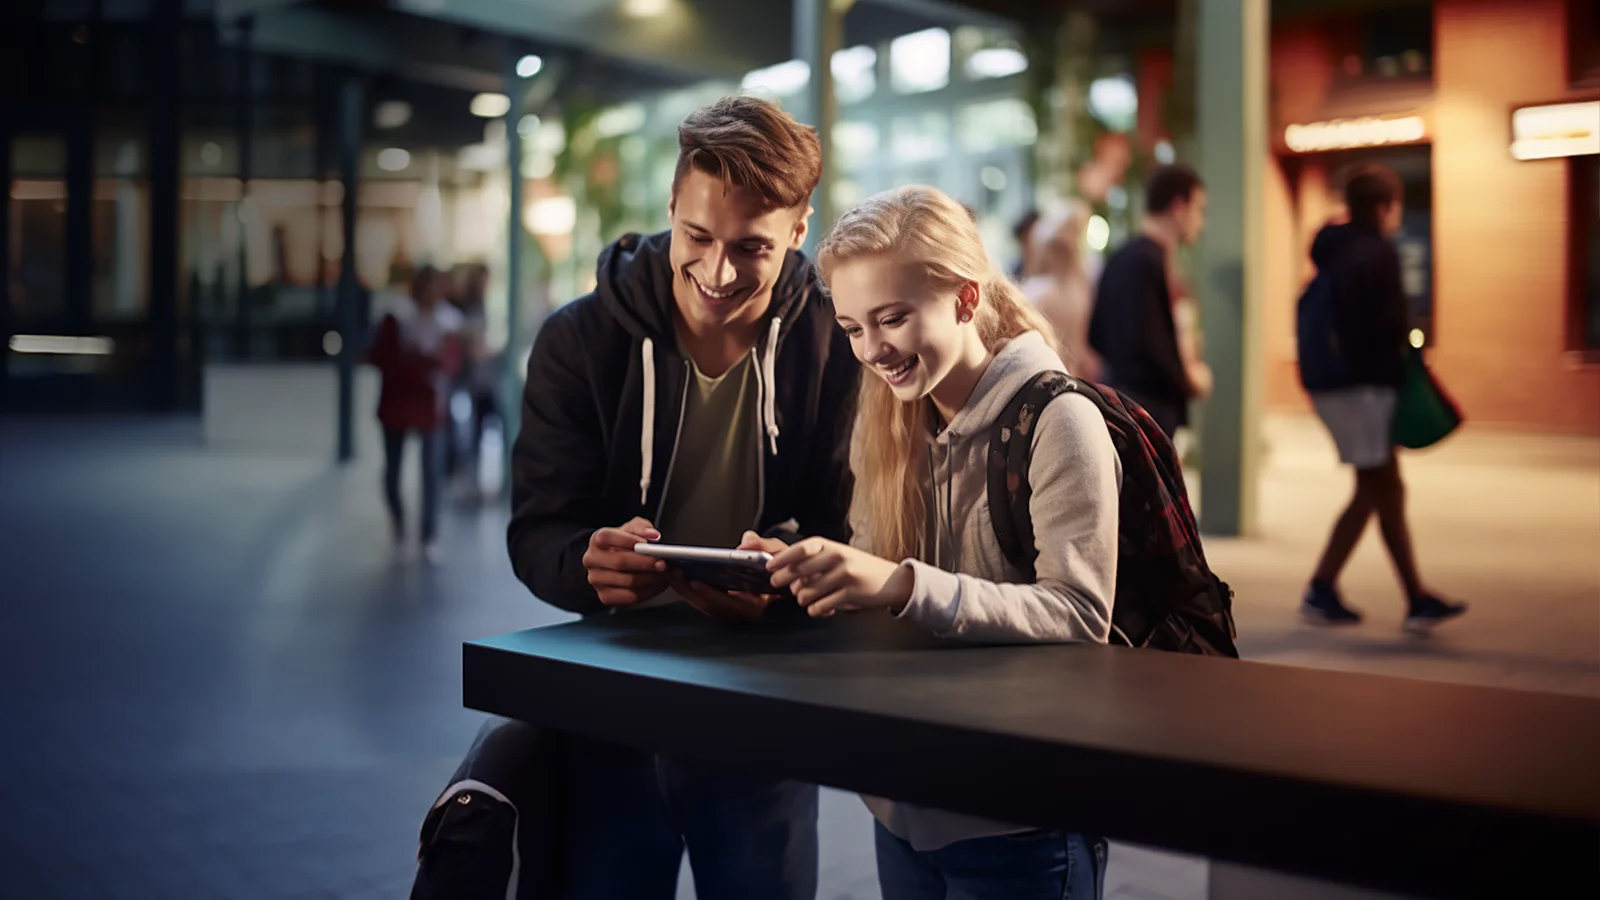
point(826, 576)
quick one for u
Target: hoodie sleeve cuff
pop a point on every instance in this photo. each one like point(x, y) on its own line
point(935, 600)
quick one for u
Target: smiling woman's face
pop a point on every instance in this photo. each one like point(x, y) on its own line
point(727, 251)
point(903, 328)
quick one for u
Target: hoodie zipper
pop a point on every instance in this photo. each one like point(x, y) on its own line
point(677, 436)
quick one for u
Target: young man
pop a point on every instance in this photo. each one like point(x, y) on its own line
point(701, 395)
point(1132, 327)
point(1371, 323)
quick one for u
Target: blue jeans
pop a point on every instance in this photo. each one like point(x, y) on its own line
point(631, 814)
point(394, 445)
point(1032, 865)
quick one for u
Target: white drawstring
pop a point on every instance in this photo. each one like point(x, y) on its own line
point(769, 413)
point(647, 427)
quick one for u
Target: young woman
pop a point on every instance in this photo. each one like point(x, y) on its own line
point(947, 340)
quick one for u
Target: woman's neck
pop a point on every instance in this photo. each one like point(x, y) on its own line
point(952, 393)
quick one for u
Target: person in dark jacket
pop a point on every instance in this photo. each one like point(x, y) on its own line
point(1132, 326)
point(1371, 324)
point(702, 394)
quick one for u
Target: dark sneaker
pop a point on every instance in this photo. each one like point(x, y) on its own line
point(1428, 611)
point(1323, 606)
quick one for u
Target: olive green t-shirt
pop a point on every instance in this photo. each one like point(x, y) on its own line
point(713, 491)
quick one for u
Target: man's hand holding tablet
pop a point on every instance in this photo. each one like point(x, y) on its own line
point(620, 576)
point(738, 567)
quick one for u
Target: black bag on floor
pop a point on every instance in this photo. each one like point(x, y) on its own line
point(495, 832)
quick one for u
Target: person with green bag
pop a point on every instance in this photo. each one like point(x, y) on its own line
point(1370, 389)
point(1424, 414)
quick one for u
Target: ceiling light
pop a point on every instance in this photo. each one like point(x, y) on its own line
point(65, 345)
point(490, 106)
point(393, 159)
point(644, 9)
point(996, 62)
point(391, 114)
point(529, 66)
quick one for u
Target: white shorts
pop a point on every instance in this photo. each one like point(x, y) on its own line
point(1361, 420)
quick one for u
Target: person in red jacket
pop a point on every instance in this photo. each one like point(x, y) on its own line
point(416, 351)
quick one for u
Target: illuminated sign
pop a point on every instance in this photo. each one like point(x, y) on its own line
point(1560, 129)
point(1344, 134)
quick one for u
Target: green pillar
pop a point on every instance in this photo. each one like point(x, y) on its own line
point(818, 30)
point(1231, 147)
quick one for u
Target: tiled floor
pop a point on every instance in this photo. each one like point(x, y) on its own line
point(219, 682)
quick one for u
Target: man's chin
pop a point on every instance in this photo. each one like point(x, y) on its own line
point(711, 314)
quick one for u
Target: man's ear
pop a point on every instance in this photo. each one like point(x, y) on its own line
point(800, 229)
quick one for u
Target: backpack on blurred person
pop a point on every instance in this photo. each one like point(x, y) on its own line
point(1167, 597)
point(1322, 362)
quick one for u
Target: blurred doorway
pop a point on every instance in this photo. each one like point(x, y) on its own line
point(69, 250)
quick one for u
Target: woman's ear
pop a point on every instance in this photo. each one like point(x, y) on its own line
point(967, 300)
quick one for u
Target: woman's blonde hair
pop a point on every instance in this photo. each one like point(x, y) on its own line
point(922, 227)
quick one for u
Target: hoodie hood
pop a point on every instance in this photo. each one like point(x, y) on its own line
point(1333, 240)
point(1022, 357)
point(634, 283)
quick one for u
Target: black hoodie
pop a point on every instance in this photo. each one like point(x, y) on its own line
point(1370, 314)
point(604, 400)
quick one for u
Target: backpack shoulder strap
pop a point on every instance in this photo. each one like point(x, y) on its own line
point(1010, 450)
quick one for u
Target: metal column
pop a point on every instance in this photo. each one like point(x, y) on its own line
point(818, 31)
point(351, 107)
point(1231, 150)
point(164, 91)
point(516, 336)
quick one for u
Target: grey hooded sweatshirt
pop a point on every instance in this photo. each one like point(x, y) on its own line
point(968, 590)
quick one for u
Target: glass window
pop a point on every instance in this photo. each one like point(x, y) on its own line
point(924, 136)
point(38, 288)
point(1115, 102)
point(855, 74)
point(991, 124)
point(119, 221)
point(854, 143)
point(920, 62)
point(783, 81)
point(988, 53)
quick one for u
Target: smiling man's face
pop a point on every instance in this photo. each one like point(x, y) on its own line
point(727, 252)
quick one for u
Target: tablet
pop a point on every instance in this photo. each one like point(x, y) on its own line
point(729, 570)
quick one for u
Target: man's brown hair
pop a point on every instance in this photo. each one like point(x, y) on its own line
point(752, 144)
point(1369, 189)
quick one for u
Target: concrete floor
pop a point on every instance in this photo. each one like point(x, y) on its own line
point(220, 683)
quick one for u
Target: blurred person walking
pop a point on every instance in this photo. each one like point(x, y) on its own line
point(1353, 339)
point(1061, 290)
point(478, 380)
point(1133, 326)
point(1023, 232)
point(416, 353)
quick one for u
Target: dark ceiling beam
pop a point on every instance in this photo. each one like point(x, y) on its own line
point(380, 42)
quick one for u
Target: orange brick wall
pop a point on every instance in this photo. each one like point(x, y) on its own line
point(1500, 226)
